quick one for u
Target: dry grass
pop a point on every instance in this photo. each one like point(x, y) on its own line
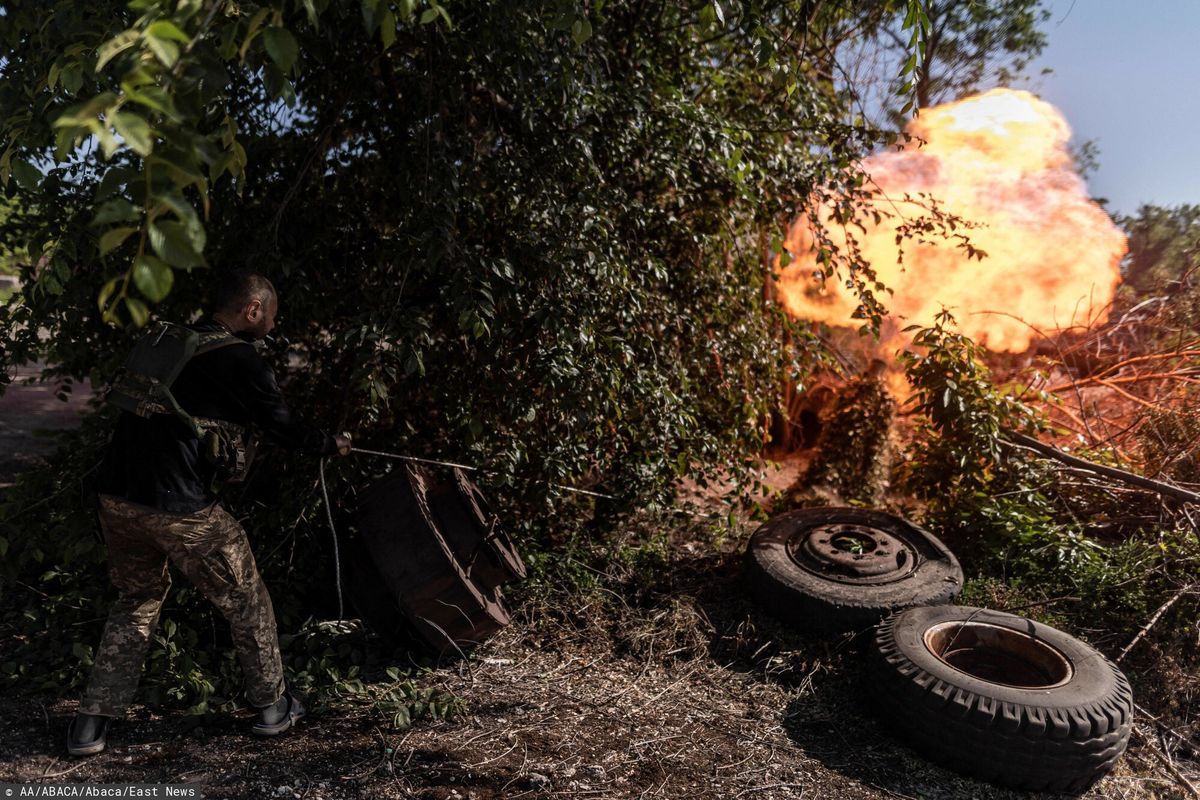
point(672, 689)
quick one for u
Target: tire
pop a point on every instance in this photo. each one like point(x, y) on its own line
point(1000, 697)
point(801, 567)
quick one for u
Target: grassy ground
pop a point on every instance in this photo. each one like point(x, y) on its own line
point(668, 686)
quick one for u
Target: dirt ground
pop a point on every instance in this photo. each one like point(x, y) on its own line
point(679, 690)
point(552, 715)
point(30, 413)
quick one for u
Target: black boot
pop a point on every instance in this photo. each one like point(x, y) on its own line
point(279, 716)
point(86, 734)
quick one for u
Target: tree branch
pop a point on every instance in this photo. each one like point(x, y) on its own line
point(1021, 440)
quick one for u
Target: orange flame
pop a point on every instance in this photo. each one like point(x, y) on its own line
point(999, 159)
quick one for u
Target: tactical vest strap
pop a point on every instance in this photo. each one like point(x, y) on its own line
point(144, 388)
point(212, 340)
point(200, 423)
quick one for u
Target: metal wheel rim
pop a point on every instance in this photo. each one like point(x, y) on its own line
point(999, 655)
point(853, 553)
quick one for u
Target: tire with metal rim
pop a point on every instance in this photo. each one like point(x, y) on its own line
point(1000, 697)
point(831, 569)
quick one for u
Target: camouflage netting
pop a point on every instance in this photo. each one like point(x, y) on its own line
point(853, 456)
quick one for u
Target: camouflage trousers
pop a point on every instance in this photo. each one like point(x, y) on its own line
point(211, 550)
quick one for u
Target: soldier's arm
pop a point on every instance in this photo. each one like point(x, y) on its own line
point(270, 413)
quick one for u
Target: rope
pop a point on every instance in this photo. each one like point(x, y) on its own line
point(412, 458)
point(382, 454)
point(337, 566)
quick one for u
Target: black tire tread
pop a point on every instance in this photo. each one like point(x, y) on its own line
point(1021, 746)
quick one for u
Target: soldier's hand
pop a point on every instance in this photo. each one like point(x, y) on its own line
point(343, 444)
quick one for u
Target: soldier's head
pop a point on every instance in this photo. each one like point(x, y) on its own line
point(245, 302)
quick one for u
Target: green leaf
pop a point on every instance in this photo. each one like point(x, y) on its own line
point(165, 29)
point(115, 210)
point(114, 47)
point(252, 30)
point(136, 132)
point(311, 10)
point(27, 176)
point(581, 31)
point(152, 277)
point(108, 142)
point(153, 97)
point(113, 238)
point(428, 16)
point(72, 77)
point(113, 180)
point(387, 28)
point(174, 200)
point(278, 85)
point(172, 242)
point(165, 50)
point(282, 47)
point(137, 311)
point(106, 293)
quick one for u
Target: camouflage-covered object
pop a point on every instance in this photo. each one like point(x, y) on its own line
point(852, 459)
point(210, 548)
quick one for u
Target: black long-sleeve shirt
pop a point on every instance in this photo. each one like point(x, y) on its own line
point(156, 461)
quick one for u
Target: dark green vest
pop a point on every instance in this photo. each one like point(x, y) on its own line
point(144, 388)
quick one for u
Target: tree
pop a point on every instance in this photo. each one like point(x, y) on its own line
point(967, 47)
point(521, 236)
point(1164, 247)
point(970, 43)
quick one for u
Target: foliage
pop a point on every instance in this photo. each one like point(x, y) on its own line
point(946, 50)
point(1044, 543)
point(51, 563)
point(9, 258)
point(523, 237)
point(962, 466)
point(970, 43)
point(1164, 247)
point(342, 674)
point(51, 577)
point(530, 237)
point(534, 259)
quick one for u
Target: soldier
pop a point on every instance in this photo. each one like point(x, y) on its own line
point(157, 504)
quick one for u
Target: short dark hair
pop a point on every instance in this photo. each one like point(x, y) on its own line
point(232, 290)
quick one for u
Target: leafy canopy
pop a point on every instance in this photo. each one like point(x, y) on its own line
point(528, 237)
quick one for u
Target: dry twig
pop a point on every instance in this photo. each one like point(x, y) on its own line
point(1167, 763)
point(1155, 618)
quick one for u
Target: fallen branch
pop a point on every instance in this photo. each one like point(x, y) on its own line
point(1154, 376)
point(1021, 440)
point(1129, 395)
point(1166, 762)
point(1155, 618)
point(1181, 353)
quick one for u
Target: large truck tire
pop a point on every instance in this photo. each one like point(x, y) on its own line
point(1000, 697)
point(834, 569)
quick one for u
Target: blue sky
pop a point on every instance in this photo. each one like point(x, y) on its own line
point(1128, 75)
